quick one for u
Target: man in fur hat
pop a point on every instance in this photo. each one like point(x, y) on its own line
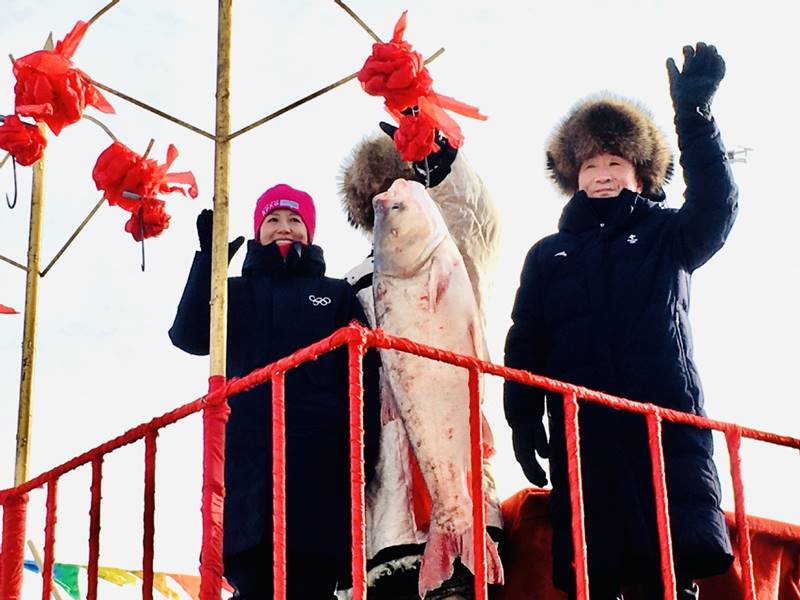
point(397, 507)
point(604, 304)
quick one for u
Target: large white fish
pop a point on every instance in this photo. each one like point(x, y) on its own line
point(422, 292)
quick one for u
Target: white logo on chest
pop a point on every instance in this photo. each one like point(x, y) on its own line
point(632, 239)
point(319, 300)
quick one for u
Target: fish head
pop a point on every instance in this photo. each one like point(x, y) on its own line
point(408, 228)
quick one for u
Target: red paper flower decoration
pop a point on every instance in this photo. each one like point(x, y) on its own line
point(50, 89)
point(416, 137)
point(149, 219)
point(398, 73)
point(23, 141)
point(119, 169)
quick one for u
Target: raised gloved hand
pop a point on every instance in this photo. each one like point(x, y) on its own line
point(692, 88)
point(528, 442)
point(205, 228)
point(432, 170)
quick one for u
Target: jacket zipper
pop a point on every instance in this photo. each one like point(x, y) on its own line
point(681, 348)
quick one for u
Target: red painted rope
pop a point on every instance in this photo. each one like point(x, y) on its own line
point(576, 495)
point(149, 514)
point(278, 488)
point(476, 460)
point(377, 338)
point(662, 505)
point(734, 440)
point(49, 539)
point(215, 416)
point(94, 527)
point(130, 436)
point(12, 553)
point(357, 509)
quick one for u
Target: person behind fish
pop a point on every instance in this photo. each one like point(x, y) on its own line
point(604, 304)
point(281, 303)
point(398, 508)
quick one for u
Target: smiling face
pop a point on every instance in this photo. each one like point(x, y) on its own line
point(605, 175)
point(283, 226)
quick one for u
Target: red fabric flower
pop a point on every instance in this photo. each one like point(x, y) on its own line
point(395, 71)
point(23, 141)
point(416, 137)
point(119, 169)
point(50, 89)
point(150, 218)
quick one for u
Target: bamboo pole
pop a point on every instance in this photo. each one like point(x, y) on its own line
point(37, 558)
point(311, 96)
point(13, 262)
point(31, 301)
point(219, 246)
point(152, 109)
point(358, 20)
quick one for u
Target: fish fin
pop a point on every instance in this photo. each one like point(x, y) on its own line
point(438, 280)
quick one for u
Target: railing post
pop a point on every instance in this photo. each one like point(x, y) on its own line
point(278, 488)
point(357, 510)
point(476, 460)
point(576, 494)
point(662, 505)
point(215, 417)
point(148, 529)
point(733, 436)
point(12, 553)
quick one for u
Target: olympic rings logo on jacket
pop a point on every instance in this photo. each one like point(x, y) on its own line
point(319, 301)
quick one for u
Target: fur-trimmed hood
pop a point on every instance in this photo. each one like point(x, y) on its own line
point(608, 123)
point(370, 169)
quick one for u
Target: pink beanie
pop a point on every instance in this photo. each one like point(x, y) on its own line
point(285, 196)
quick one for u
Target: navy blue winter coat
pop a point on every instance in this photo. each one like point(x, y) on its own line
point(607, 307)
point(275, 308)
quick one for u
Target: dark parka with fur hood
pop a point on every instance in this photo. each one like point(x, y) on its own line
point(275, 308)
point(606, 306)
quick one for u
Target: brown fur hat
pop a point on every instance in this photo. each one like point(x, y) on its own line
point(370, 169)
point(607, 123)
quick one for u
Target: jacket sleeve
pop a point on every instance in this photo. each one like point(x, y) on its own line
point(524, 348)
point(190, 330)
point(471, 217)
point(711, 196)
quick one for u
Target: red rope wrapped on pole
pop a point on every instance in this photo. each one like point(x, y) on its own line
point(49, 539)
point(733, 437)
point(476, 464)
point(356, 350)
point(662, 505)
point(94, 527)
point(13, 547)
point(215, 416)
point(576, 495)
point(148, 529)
point(278, 488)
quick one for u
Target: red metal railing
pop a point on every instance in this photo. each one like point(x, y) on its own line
point(358, 339)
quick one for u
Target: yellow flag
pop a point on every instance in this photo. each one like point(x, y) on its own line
point(117, 576)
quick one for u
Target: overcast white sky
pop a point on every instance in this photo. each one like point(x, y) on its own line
point(104, 361)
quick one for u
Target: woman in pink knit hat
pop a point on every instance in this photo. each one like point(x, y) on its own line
point(283, 302)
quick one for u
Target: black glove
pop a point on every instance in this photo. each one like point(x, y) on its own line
point(205, 228)
point(431, 170)
point(693, 88)
point(528, 442)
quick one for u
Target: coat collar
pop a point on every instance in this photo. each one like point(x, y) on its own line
point(578, 215)
point(307, 261)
